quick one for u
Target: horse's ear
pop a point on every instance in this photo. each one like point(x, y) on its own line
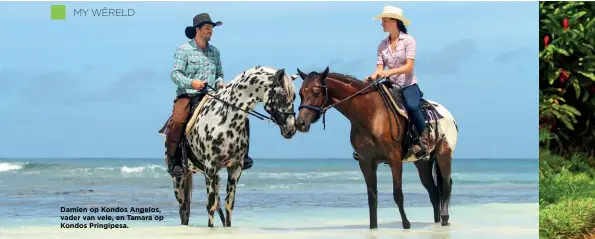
point(279, 75)
point(302, 74)
point(323, 76)
point(293, 77)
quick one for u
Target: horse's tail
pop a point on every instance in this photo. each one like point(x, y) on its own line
point(437, 179)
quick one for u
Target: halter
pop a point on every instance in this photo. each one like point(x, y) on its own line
point(322, 109)
point(252, 112)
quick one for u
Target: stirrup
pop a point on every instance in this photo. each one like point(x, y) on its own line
point(355, 155)
point(248, 162)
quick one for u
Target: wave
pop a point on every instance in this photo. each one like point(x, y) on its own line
point(31, 167)
point(24, 166)
point(386, 177)
point(150, 169)
point(311, 175)
point(10, 166)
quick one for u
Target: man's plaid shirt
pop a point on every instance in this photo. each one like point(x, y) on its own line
point(192, 63)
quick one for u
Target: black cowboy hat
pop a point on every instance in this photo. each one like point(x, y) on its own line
point(200, 19)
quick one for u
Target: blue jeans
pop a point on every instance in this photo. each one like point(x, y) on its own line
point(412, 95)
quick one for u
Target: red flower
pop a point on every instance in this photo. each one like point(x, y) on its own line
point(565, 24)
point(591, 89)
point(546, 40)
point(563, 76)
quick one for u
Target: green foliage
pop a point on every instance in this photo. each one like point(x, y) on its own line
point(566, 70)
point(567, 195)
point(567, 219)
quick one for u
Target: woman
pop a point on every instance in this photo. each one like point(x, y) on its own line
point(397, 53)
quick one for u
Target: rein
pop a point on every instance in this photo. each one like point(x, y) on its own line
point(322, 109)
point(252, 112)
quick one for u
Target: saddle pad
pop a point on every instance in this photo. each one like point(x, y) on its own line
point(195, 114)
point(400, 108)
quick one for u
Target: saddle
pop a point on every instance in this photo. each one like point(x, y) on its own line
point(394, 93)
point(196, 102)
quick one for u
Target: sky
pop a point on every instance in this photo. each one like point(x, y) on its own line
point(99, 86)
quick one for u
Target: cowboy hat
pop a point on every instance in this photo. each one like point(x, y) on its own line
point(392, 12)
point(199, 19)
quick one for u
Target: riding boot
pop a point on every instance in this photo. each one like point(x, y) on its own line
point(420, 147)
point(174, 168)
point(247, 162)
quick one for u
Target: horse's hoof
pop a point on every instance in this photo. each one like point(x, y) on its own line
point(406, 225)
point(445, 221)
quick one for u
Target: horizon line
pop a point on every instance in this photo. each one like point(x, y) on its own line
point(257, 158)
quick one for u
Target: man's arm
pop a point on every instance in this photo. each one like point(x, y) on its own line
point(178, 74)
point(219, 67)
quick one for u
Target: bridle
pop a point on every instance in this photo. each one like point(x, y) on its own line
point(252, 112)
point(322, 109)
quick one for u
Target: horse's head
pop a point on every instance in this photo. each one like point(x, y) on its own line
point(313, 97)
point(279, 100)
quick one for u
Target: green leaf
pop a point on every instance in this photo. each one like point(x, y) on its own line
point(557, 114)
point(553, 77)
point(571, 109)
point(590, 24)
point(588, 75)
point(588, 46)
point(577, 88)
point(567, 123)
point(585, 96)
point(579, 14)
point(562, 51)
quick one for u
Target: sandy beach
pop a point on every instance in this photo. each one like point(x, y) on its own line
point(485, 221)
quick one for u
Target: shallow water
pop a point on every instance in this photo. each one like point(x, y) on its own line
point(304, 196)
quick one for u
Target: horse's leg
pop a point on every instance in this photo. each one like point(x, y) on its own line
point(183, 193)
point(233, 176)
point(424, 168)
point(212, 183)
point(396, 165)
point(369, 168)
point(443, 170)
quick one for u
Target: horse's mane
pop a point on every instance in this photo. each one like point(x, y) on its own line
point(343, 78)
point(347, 79)
point(288, 85)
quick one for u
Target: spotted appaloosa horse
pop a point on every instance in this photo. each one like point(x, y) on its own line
point(219, 137)
point(377, 136)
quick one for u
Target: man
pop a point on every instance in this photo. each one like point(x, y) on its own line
point(196, 63)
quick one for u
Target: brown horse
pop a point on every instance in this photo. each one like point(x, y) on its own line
point(379, 134)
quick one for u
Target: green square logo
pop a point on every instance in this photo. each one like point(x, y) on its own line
point(58, 12)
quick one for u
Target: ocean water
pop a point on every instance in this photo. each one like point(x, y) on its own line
point(277, 193)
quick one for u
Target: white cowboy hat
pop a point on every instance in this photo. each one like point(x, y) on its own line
point(392, 12)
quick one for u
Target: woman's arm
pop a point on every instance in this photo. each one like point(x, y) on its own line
point(408, 67)
point(379, 65)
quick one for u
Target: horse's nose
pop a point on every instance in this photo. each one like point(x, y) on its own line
point(301, 123)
